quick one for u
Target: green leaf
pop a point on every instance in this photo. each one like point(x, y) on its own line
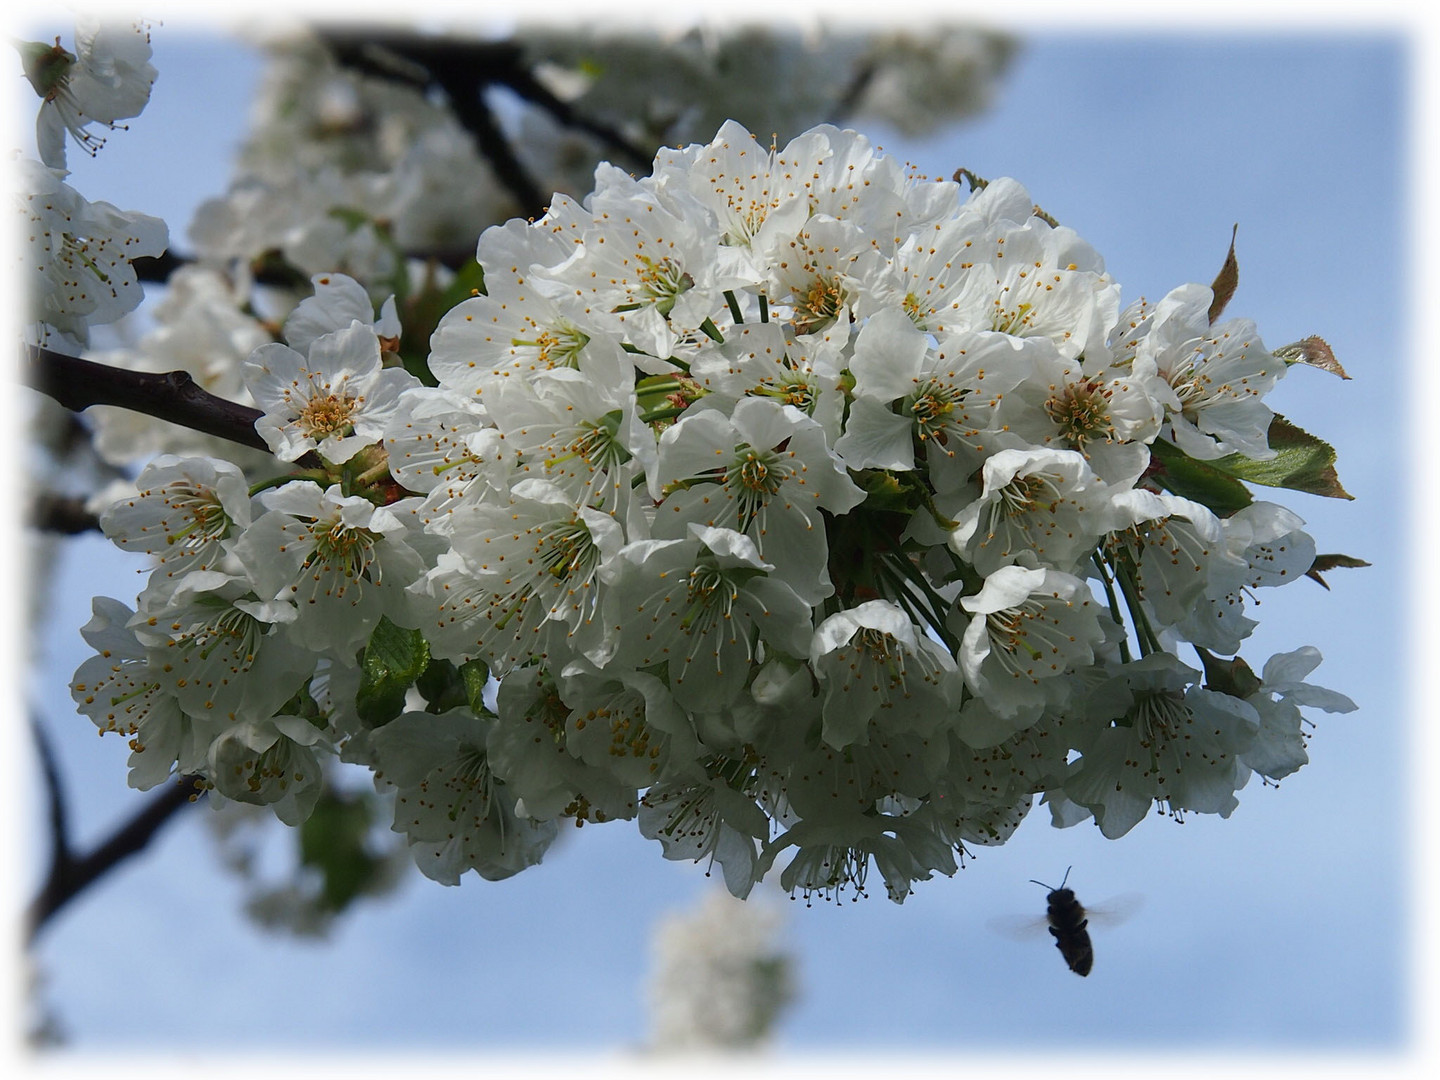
point(1323, 563)
point(1313, 350)
point(332, 839)
point(442, 686)
point(475, 675)
point(1301, 463)
point(1198, 481)
point(423, 310)
point(1223, 287)
point(392, 661)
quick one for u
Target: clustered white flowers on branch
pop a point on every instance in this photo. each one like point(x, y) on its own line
point(74, 255)
point(785, 502)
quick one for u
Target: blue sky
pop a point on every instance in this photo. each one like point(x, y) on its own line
point(1284, 928)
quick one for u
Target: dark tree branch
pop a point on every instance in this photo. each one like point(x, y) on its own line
point(69, 875)
point(65, 514)
point(475, 113)
point(524, 83)
point(175, 396)
point(463, 70)
point(55, 796)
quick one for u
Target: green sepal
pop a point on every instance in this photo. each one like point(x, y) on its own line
point(1232, 677)
point(1199, 481)
point(332, 840)
point(303, 705)
point(392, 661)
point(884, 491)
point(46, 66)
point(1301, 463)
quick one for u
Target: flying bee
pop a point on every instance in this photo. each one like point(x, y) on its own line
point(1068, 922)
point(1069, 926)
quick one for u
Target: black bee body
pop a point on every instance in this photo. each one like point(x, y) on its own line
point(1068, 927)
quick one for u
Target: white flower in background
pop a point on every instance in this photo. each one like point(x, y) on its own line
point(200, 328)
point(835, 855)
point(1177, 550)
point(75, 255)
point(447, 449)
point(514, 330)
point(321, 223)
point(339, 301)
point(755, 194)
point(720, 978)
point(106, 79)
point(648, 272)
point(763, 360)
point(946, 392)
point(588, 754)
point(185, 512)
point(335, 399)
point(710, 820)
point(581, 431)
point(1031, 279)
point(926, 275)
point(1106, 415)
point(814, 276)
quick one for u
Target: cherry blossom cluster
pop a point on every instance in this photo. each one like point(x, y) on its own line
point(75, 255)
point(787, 503)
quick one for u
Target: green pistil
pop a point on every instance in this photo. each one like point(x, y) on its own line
point(567, 549)
point(475, 781)
point(1007, 629)
point(80, 250)
point(661, 282)
point(932, 408)
point(347, 551)
point(1010, 322)
point(558, 345)
point(207, 519)
point(754, 476)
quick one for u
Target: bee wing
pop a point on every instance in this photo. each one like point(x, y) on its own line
point(1115, 910)
point(1018, 927)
